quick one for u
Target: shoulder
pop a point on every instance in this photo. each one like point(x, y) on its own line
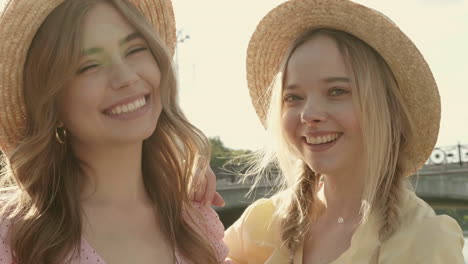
point(256, 236)
point(261, 210)
point(426, 236)
point(264, 210)
point(5, 251)
point(258, 223)
point(419, 217)
point(438, 238)
point(206, 221)
point(206, 218)
point(5, 227)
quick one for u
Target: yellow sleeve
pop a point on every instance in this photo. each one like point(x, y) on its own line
point(234, 240)
point(238, 237)
point(439, 240)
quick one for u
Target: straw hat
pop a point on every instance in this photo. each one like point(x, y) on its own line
point(19, 22)
point(282, 25)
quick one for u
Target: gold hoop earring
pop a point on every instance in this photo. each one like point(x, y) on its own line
point(61, 135)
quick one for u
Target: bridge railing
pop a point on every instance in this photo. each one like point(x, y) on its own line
point(445, 155)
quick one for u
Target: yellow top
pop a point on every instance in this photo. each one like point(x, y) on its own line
point(423, 237)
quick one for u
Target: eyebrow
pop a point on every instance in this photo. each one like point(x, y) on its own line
point(290, 87)
point(337, 79)
point(130, 37)
point(327, 80)
point(91, 51)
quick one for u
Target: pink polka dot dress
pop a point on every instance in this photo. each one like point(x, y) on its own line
point(204, 220)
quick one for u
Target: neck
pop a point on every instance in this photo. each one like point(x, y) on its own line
point(113, 174)
point(342, 194)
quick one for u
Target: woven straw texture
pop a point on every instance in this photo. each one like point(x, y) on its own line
point(282, 25)
point(19, 22)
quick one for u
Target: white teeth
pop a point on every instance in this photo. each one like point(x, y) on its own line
point(322, 139)
point(118, 110)
point(130, 107)
point(141, 102)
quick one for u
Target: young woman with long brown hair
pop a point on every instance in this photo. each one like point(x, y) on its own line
point(98, 155)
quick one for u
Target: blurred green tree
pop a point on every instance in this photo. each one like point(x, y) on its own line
point(222, 156)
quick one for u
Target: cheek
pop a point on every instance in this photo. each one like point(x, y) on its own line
point(148, 69)
point(157, 94)
point(355, 124)
point(151, 73)
point(289, 123)
point(354, 120)
point(157, 103)
point(79, 102)
point(350, 119)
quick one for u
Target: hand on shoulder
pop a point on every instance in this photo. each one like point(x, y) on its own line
point(206, 221)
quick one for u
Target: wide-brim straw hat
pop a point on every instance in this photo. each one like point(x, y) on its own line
point(19, 22)
point(285, 23)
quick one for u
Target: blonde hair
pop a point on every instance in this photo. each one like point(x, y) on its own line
point(40, 180)
point(386, 127)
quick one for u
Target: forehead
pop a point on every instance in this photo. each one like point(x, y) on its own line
point(318, 58)
point(104, 24)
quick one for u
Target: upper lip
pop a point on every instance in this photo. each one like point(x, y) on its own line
point(126, 100)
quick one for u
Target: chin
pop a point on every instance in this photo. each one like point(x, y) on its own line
point(134, 135)
point(320, 167)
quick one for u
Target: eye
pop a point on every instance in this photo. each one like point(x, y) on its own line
point(86, 68)
point(289, 98)
point(136, 50)
point(337, 91)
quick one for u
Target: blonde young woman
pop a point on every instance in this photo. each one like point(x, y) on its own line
point(353, 109)
point(98, 155)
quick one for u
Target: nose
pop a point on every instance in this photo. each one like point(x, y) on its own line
point(122, 76)
point(313, 113)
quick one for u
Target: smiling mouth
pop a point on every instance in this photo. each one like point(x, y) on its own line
point(129, 107)
point(322, 140)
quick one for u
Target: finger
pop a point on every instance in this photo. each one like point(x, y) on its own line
point(210, 186)
point(191, 189)
point(197, 179)
point(200, 191)
point(191, 193)
point(218, 200)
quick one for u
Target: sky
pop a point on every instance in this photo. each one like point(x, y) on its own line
point(214, 93)
point(211, 61)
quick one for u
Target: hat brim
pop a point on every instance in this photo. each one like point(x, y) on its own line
point(19, 23)
point(282, 25)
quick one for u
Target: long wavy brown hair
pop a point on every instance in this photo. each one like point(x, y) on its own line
point(42, 179)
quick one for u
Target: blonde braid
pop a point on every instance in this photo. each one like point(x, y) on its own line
point(303, 205)
point(391, 207)
point(389, 211)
